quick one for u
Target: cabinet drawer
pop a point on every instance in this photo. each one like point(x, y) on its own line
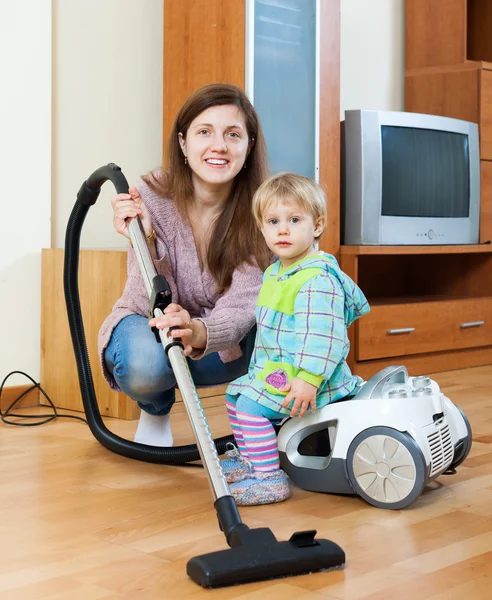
point(420, 327)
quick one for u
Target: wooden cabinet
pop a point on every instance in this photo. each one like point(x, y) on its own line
point(431, 307)
point(458, 93)
point(443, 33)
point(449, 73)
point(461, 93)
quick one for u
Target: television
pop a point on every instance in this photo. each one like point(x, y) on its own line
point(409, 179)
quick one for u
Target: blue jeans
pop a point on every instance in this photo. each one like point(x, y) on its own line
point(142, 370)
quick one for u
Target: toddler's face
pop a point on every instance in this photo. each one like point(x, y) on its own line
point(290, 231)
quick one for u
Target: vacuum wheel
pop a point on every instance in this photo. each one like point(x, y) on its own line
point(463, 447)
point(386, 467)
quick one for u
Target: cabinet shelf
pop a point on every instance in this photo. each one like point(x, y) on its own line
point(429, 291)
point(447, 32)
point(390, 250)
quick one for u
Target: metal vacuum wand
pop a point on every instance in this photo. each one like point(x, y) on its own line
point(160, 297)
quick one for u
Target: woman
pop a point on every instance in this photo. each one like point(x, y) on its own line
point(197, 216)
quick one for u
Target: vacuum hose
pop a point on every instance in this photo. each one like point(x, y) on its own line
point(86, 197)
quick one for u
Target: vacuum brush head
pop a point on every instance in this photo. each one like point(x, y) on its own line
point(256, 562)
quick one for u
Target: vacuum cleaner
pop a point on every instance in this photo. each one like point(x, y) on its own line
point(254, 554)
point(385, 443)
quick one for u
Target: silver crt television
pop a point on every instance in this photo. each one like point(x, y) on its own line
point(409, 179)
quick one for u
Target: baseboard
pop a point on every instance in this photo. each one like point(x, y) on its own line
point(9, 394)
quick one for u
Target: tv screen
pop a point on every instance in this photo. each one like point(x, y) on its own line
point(425, 173)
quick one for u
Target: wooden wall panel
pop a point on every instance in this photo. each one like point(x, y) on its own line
point(486, 201)
point(435, 33)
point(450, 94)
point(329, 150)
point(102, 276)
point(485, 114)
point(203, 43)
point(11, 393)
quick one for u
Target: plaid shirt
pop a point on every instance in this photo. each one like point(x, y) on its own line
point(303, 337)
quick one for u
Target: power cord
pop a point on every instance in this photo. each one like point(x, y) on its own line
point(46, 418)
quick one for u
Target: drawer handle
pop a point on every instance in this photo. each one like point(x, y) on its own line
point(398, 331)
point(472, 324)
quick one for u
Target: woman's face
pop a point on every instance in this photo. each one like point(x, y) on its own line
point(216, 145)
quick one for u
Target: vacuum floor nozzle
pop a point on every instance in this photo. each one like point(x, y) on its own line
point(271, 560)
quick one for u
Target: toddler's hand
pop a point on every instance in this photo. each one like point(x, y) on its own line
point(302, 393)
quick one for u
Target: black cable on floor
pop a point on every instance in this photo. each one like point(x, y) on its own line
point(41, 419)
point(46, 417)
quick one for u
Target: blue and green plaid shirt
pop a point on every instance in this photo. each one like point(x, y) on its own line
point(302, 316)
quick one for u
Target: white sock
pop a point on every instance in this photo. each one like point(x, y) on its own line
point(154, 430)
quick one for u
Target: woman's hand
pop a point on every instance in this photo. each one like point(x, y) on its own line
point(192, 332)
point(125, 208)
point(302, 393)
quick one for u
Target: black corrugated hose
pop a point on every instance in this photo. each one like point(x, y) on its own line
point(86, 197)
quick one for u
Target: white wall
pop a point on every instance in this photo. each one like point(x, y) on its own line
point(372, 55)
point(25, 166)
point(107, 103)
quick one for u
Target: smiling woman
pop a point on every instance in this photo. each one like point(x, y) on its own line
point(216, 146)
point(196, 212)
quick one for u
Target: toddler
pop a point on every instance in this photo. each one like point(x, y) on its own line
point(298, 363)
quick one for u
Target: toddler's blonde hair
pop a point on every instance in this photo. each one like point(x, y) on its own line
point(290, 188)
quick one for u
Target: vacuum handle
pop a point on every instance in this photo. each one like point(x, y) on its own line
point(90, 189)
point(373, 387)
point(109, 172)
point(88, 195)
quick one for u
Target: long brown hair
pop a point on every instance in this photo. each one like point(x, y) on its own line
point(236, 237)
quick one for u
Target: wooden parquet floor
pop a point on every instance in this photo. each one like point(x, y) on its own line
point(80, 523)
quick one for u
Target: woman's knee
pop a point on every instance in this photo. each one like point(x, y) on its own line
point(141, 376)
point(138, 363)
